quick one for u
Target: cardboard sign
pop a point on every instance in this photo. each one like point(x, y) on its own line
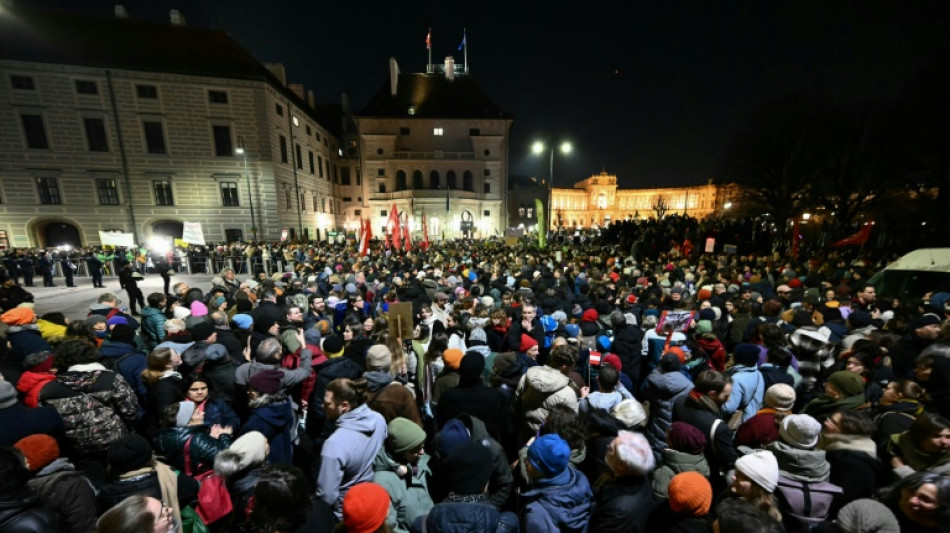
point(680, 320)
point(729, 249)
point(400, 320)
point(191, 233)
point(117, 239)
point(710, 245)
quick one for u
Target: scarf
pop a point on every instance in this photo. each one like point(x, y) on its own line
point(831, 442)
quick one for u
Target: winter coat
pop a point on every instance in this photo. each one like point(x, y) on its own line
point(19, 421)
point(663, 390)
point(26, 514)
point(855, 466)
point(164, 392)
point(623, 505)
point(676, 462)
point(798, 464)
point(485, 403)
point(698, 412)
point(347, 456)
point(748, 392)
point(147, 482)
point(67, 491)
point(127, 360)
point(502, 482)
point(24, 340)
point(469, 514)
point(408, 493)
point(540, 389)
point(274, 418)
point(214, 362)
point(30, 384)
point(915, 459)
point(759, 430)
point(714, 350)
point(560, 504)
point(153, 327)
point(627, 344)
point(98, 406)
point(202, 448)
point(498, 339)
point(339, 367)
point(447, 379)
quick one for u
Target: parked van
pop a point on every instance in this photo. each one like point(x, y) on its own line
point(915, 274)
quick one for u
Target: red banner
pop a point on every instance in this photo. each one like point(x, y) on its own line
point(860, 237)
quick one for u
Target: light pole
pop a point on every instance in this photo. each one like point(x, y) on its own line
point(247, 177)
point(538, 148)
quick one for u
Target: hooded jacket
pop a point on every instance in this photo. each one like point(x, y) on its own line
point(153, 326)
point(274, 418)
point(390, 398)
point(559, 504)
point(502, 482)
point(663, 389)
point(130, 367)
point(540, 389)
point(68, 492)
point(799, 464)
point(748, 392)
point(347, 456)
point(676, 462)
point(623, 505)
point(407, 488)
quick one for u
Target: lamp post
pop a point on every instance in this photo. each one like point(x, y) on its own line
point(538, 148)
point(247, 177)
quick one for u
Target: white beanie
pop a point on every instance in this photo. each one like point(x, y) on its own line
point(182, 312)
point(800, 431)
point(251, 447)
point(761, 468)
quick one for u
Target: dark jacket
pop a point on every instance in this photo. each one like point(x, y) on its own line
point(146, 484)
point(468, 514)
point(390, 398)
point(153, 326)
point(559, 504)
point(127, 360)
point(68, 492)
point(720, 450)
point(26, 514)
point(339, 367)
point(623, 505)
point(274, 418)
point(627, 345)
point(485, 403)
point(663, 389)
point(502, 482)
point(20, 421)
point(170, 442)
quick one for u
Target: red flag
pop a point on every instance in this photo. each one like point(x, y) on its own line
point(795, 238)
point(394, 227)
point(425, 233)
point(860, 237)
point(429, 39)
point(367, 236)
point(405, 235)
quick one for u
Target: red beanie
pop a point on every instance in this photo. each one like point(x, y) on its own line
point(613, 360)
point(39, 450)
point(679, 353)
point(704, 294)
point(365, 508)
point(590, 316)
point(527, 342)
point(795, 283)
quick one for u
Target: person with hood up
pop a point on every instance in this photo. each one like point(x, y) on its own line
point(684, 453)
point(843, 390)
point(58, 484)
point(664, 386)
point(120, 353)
point(385, 395)
point(627, 345)
point(748, 385)
point(271, 414)
point(707, 341)
point(456, 433)
point(347, 455)
point(23, 335)
point(402, 468)
point(560, 498)
point(543, 387)
point(473, 397)
point(210, 359)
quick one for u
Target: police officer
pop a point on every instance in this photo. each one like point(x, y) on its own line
point(13, 272)
point(67, 265)
point(94, 263)
point(45, 263)
point(25, 263)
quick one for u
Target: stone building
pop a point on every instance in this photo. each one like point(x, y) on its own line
point(130, 125)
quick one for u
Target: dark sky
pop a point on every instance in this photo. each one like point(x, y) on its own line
point(647, 90)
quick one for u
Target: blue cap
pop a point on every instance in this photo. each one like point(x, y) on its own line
point(549, 454)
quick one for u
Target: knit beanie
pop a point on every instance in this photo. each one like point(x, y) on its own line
point(507, 364)
point(928, 319)
point(38, 361)
point(333, 346)
point(603, 343)
point(549, 454)
point(452, 358)
point(365, 508)
point(251, 447)
point(452, 435)
point(471, 368)
point(470, 468)
point(7, 394)
point(198, 309)
point(707, 314)
point(477, 335)
point(217, 301)
point(404, 435)
point(670, 362)
point(800, 431)
point(93, 320)
point(780, 397)
point(201, 331)
point(181, 312)
point(573, 330)
point(378, 356)
point(527, 342)
point(761, 468)
point(690, 494)
point(867, 516)
point(242, 321)
point(244, 305)
point(703, 327)
point(186, 408)
point(130, 452)
point(849, 383)
point(589, 315)
point(39, 450)
point(612, 360)
point(266, 381)
point(685, 438)
point(746, 354)
point(18, 316)
point(123, 333)
point(678, 352)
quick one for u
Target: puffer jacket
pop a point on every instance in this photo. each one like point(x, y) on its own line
point(26, 514)
point(409, 493)
point(98, 406)
point(30, 385)
point(562, 503)
point(469, 514)
point(68, 492)
point(153, 327)
point(170, 442)
point(127, 360)
point(748, 392)
point(273, 417)
point(676, 462)
point(540, 389)
point(51, 332)
point(663, 389)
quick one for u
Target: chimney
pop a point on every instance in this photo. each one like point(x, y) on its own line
point(277, 69)
point(450, 68)
point(296, 88)
point(393, 75)
point(121, 12)
point(177, 19)
point(310, 98)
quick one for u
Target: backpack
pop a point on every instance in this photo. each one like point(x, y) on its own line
point(804, 505)
point(112, 363)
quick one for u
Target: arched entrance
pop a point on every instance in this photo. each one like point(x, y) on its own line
point(467, 225)
point(52, 232)
point(168, 228)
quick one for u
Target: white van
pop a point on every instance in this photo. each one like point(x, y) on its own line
point(914, 274)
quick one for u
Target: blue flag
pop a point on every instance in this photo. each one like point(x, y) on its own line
point(463, 42)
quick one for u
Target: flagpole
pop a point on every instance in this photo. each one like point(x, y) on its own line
point(465, 47)
point(429, 47)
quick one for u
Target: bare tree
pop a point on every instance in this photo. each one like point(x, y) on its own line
point(661, 206)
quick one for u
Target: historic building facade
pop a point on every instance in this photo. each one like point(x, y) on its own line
point(138, 130)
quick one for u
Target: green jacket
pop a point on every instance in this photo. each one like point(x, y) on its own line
point(409, 493)
point(675, 462)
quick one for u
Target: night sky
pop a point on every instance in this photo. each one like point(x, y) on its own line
point(647, 90)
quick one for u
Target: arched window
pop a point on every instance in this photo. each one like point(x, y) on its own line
point(467, 181)
point(450, 178)
point(434, 179)
point(417, 179)
point(401, 180)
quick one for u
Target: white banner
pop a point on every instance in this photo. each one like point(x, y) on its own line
point(192, 234)
point(117, 239)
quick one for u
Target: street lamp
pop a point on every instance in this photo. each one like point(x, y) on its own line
point(538, 148)
point(250, 199)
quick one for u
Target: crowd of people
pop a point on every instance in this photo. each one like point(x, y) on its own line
point(574, 388)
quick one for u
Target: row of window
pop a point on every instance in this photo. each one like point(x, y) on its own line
point(108, 192)
point(418, 181)
point(279, 109)
point(308, 202)
point(440, 131)
point(91, 87)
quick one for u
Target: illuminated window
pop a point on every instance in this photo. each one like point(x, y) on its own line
point(438, 132)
